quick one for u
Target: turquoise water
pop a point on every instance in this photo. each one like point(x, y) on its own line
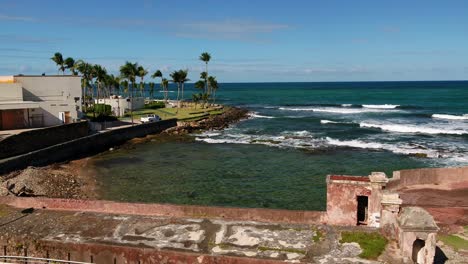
point(296, 135)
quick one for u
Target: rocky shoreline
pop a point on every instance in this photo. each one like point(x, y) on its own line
point(216, 122)
point(75, 180)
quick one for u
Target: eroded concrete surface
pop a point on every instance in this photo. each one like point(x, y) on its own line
point(291, 243)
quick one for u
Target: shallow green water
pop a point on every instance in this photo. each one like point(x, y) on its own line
point(231, 174)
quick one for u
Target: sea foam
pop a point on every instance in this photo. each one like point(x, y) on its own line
point(257, 115)
point(450, 117)
point(384, 106)
point(412, 129)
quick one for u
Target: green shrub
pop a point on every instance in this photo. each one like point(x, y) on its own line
point(103, 109)
point(372, 244)
point(155, 105)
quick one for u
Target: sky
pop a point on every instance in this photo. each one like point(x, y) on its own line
point(249, 40)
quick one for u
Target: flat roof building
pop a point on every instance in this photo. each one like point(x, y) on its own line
point(28, 101)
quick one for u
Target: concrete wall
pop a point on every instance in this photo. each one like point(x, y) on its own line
point(55, 94)
point(11, 92)
point(82, 147)
point(405, 178)
point(342, 192)
point(32, 140)
point(171, 210)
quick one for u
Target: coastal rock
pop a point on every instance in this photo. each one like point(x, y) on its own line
point(231, 115)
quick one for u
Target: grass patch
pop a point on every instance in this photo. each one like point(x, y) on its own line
point(183, 114)
point(288, 250)
point(372, 244)
point(454, 241)
point(318, 235)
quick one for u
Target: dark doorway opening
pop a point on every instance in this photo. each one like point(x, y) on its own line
point(362, 203)
point(418, 244)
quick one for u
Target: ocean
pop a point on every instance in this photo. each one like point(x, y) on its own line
point(297, 133)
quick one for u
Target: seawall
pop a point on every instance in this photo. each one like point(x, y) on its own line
point(439, 176)
point(80, 147)
point(171, 210)
point(35, 139)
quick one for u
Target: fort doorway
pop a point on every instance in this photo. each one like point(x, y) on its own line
point(417, 255)
point(362, 205)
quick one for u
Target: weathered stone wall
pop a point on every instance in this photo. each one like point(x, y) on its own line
point(40, 138)
point(99, 253)
point(231, 213)
point(342, 192)
point(405, 178)
point(81, 147)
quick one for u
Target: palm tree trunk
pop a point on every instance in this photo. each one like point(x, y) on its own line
point(182, 94)
point(206, 79)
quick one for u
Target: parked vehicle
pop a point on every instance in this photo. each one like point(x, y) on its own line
point(150, 118)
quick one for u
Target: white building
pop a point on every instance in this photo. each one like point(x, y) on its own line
point(120, 106)
point(38, 101)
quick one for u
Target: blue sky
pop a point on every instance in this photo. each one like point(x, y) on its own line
point(255, 40)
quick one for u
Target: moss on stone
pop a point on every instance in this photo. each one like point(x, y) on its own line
point(372, 244)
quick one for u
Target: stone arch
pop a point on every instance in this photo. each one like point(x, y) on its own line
point(418, 246)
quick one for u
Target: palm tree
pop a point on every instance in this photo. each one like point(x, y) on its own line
point(101, 74)
point(183, 79)
point(175, 75)
point(164, 85)
point(200, 85)
point(214, 86)
point(87, 71)
point(196, 98)
point(58, 59)
point(151, 91)
point(141, 72)
point(125, 85)
point(158, 74)
point(71, 65)
point(129, 71)
point(206, 57)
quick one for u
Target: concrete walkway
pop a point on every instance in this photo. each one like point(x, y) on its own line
point(283, 242)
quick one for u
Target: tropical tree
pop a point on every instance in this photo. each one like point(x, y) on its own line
point(206, 57)
point(214, 86)
point(164, 86)
point(125, 86)
point(71, 65)
point(87, 72)
point(129, 71)
point(196, 98)
point(201, 86)
point(183, 79)
point(58, 59)
point(176, 78)
point(114, 84)
point(141, 72)
point(101, 75)
point(158, 74)
point(151, 91)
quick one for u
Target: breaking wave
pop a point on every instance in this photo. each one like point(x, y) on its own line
point(324, 121)
point(450, 117)
point(400, 128)
point(335, 110)
point(306, 140)
point(257, 115)
point(398, 149)
point(384, 106)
